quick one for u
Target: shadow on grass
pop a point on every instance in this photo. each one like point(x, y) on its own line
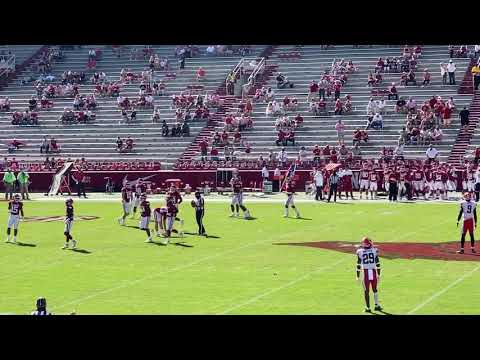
point(384, 312)
point(81, 251)
point(26, 244)
point(132, 226)
point(181, 243)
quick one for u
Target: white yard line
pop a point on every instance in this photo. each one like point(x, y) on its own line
point(442, 291)
point(151, 277)
point(284, 286)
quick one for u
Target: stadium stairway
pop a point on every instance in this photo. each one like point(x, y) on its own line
point(468, 139)
point(96, 141)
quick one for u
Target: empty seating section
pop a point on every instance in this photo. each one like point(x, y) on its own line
point(96, 141)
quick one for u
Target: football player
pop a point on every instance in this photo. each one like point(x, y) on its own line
point(15, 209)
point(160, 218)
point(237, 199)
point(69, 224)
point(126, 203)
point(373, 184)
point(364, 183)
point(369, 263)
point(469, 210)
point(145, 214)
point(170, 218)
point(290, 190)
point(137, 197)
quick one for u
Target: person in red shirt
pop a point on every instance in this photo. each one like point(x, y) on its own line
point(225, 137)
point(392, 92)
point(214, 154)
point(203, 145)
point(237, 136)
point(79, 178)
point(298, 120)
point(392, 177)
point(338, 107)
point(316, 154)
point(200, 74)
point(313, 89)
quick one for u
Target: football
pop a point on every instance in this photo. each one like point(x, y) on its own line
point(192, 203)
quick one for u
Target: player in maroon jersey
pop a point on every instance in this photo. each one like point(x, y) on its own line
point(15, 209)
point(137, 196)
point(439, 178)
point(290, 191)
point(177, 199)
point(170, 217)
point(237, 199)
point(346, 182)
point(452, 181)
point(126, 203)
point(402, 189)
point(419, 182)
point(429, 182)
point(69, 224)
point(145, 214)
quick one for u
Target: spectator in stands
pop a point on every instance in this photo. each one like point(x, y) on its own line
point(282, 157)
point(356, 152)
point(4, 104)
point(464, 117)
point(340, 129)
point(443, 73)
point(317, 152)
point(282, 81)
point(377, 121)
point(410, 78)
point(437, 135)
point(303, 155)
point(426, 78)
point(45, 146)
point(164, 128)
point(381, 106)
point(338, 107)
point(392, 92)
point(200, 74)
point(119, 143)
point(451, 68)
point(313, 89)
point(54, 145)
point(476, 73)
point(371, 107)
point(203, 145)
point(214, 154)
point(343, 152)
point(129, 144)
point(185, 129)
point(156, 116)
point(398, 152)
point(431, 153)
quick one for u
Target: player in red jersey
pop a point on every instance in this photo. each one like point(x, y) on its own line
point(126, 204)
point(290, 190)
point(364, 183)
point(15, 210)
point(419, 182)
point(439, 177)
point(69, 224)
point(373, 177)
point(137, 196)
point(429, 188)
point(170, 217)
point(346, 182)
point(177, 200)
point(145, 214)
point(369, 263)
point(469, 210)
point(451, 182)
point(237, 199)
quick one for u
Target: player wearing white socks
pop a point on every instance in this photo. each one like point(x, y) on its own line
point(290, 191)
point(15, 209)
point(369, 263)
point(237, 199)
point(126, 204)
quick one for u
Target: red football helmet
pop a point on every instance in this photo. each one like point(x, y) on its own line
point(367, 243)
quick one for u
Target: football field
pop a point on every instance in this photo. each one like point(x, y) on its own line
point(244, 266)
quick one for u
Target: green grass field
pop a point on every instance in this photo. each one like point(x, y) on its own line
point(240, 272)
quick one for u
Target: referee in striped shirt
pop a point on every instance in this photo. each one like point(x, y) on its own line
point(199, 204)
point(333, 183)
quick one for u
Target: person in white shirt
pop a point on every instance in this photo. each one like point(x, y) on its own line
point(265, 173)
point(477, 185)
point(282, 156)
point(381, 106)
point(377, 121)
point(276, 179)
point(371, 107)
point(431, 153)
point(302, 154)
point(451, 67)
point(443, 73)
point(399, 151)
point(318, 179)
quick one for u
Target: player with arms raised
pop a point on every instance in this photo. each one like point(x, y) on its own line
point(237, 199)
point(15, 209)
point(126, 203)
point(469, 210)
point(69, 224)
point(369, 264)
point(145, 214)
point(290, 190)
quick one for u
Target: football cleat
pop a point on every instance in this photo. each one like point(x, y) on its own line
point(298, 216)
point(149, 240)
point(74, 244)
point(460, 251)
point(65, 247)
point(378, 308)
point(232, 215)
point(367, 310)
point(166, 241)
point(285, 216)
point(14, 241)
point(473, 251)
point(7, 240)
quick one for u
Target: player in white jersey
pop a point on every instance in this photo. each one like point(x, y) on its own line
point(468, 208)
point(364, 182)
point(368, 262)
point(137, 194)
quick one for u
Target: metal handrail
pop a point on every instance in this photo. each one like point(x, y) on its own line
point(260, 66)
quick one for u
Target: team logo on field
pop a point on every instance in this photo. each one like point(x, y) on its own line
point(403, 250)
point(57, 218)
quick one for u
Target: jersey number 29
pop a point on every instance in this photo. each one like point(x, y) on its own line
point(368, 258)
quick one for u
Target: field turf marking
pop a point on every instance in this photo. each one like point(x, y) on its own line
point(444, 290)
point(150, 277)
point(284, 286)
